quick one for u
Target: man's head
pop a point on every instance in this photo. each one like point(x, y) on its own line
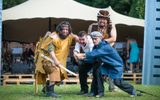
point(82, 38)
point(64, 29)
point(96, 37)
point(103, 18)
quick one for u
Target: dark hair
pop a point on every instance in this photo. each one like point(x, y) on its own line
point(103, 14)
point(82, 33)
point(63, 24)
point(109, 25)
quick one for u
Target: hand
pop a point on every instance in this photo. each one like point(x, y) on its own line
point(80, 56)
point(55, 66)
point(75, 57)
point(57, 63)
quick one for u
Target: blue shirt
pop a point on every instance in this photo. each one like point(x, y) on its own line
point(112, 62)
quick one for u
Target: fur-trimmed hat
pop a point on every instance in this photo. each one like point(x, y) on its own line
point(103, 14)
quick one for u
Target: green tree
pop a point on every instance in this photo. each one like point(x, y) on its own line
point(137, 9)
point(11, 3)
point(121, 6)
point(133, 8)
point(95, 3)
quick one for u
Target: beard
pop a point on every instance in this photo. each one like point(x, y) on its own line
point(101, 25)
point(63, 36)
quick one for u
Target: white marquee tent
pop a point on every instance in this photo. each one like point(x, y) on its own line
point(63, 9)
point(34, 16)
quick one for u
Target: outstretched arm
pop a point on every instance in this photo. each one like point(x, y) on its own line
point(96, 53)
point(51, 48)
point(75, 37)
point(56, 62)
point(76, 51)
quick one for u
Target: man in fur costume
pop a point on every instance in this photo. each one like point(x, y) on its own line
point(55, 46)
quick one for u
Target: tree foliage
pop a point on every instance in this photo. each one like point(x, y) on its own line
point(133, 8)
point(11, 3)
point(137, 9)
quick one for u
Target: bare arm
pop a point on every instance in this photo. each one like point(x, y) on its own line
point(56, 62)
point(90, 28)
point(75, 37)
point(76, 51)
point(113, 37)
point(51, 49)
point(75, 55)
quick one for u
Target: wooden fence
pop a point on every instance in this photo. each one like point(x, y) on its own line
point(9, 79)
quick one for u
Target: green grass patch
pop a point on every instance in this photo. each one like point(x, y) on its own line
point(69, 92)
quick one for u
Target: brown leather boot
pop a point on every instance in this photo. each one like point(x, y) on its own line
point(50, 92)
point(46, 85)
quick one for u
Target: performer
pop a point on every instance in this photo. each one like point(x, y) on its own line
point(105, 26)
point(84, 45)
point(55, 46)
point(133, 54)
point(106, 60)
point(108, 30)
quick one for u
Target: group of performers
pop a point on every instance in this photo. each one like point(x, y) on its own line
point(93, 50)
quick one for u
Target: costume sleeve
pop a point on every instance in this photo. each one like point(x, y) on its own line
point(70, 39)
point(51, 47)
point(46, 43)
point(77, 47)
point(99, 52)
point(91, 45)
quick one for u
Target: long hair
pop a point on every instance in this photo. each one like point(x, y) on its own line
point(63, 24)
point(109, 26)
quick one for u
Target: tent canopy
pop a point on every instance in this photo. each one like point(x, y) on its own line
point(29, 20)
point(63, 9)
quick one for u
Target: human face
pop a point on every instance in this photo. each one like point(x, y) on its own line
point(64, 32)
point(83, 40)
point(96, 40)
point(102, 22)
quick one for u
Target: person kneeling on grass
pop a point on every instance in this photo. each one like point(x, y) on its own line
point(106, 61)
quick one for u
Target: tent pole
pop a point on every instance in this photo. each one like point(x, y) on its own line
point(49, 24)
point(0, 39)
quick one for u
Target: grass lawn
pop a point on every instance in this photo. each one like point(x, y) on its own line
point(68, 92)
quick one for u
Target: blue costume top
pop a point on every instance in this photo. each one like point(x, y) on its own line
point(112, 62)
